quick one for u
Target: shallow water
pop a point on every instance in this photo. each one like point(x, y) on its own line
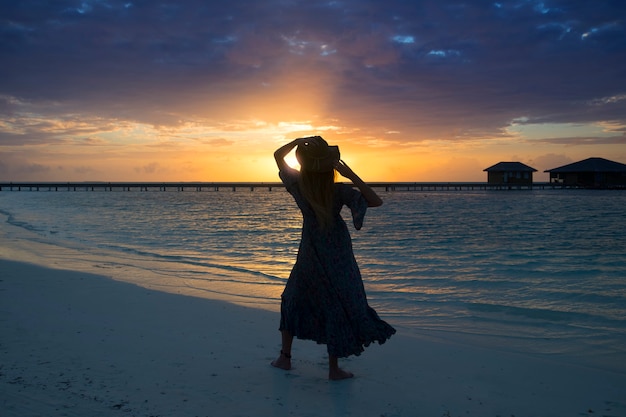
point(542, 269)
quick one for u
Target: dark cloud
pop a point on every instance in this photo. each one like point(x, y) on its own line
point(443, 66)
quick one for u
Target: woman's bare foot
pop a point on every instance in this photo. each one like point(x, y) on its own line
point(335, 373)
point(339, 374)
point(283, 361)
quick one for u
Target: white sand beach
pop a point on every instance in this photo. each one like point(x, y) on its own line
point(78, 344)
point(82, 335)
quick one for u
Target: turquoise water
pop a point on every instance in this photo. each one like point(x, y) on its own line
point(540, 270)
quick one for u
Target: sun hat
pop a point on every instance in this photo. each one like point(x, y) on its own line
point(316, 155)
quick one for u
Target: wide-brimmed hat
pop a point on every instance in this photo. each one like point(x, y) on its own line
point(316, 155)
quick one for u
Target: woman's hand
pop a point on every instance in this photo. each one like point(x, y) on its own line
point(310, 141)
point(282, 152)
point(301, 141)
point(373, 200)
point(344, 170)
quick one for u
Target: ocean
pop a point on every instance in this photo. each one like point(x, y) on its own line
point(534, 271)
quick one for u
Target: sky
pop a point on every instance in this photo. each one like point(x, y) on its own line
point(410, 90)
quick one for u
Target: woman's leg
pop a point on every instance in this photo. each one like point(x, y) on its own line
point(335, 372)
point(284, 359)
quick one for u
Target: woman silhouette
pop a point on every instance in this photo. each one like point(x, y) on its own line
point(324, 299)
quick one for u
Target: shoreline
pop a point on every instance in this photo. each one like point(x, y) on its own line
point(80, 344)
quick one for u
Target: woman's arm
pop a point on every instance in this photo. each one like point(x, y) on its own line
point(284, 150)
point(373, 200)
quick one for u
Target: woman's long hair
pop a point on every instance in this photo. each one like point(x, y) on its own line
point(319, 190)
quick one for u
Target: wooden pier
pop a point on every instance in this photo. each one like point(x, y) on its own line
point(137, 186)
point(252, 186)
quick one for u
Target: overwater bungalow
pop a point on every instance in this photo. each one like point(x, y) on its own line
point(510, 173)
point(590, 173)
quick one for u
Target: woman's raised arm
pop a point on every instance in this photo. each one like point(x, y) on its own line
point(373, 200)
point(283, 151)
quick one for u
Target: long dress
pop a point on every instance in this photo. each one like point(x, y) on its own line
point(324, 299)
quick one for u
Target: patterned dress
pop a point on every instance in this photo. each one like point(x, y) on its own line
point(324, 299)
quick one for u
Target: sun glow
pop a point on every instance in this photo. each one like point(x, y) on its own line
point(292, 161)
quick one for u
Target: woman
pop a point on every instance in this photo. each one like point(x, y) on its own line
point(324, 299)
